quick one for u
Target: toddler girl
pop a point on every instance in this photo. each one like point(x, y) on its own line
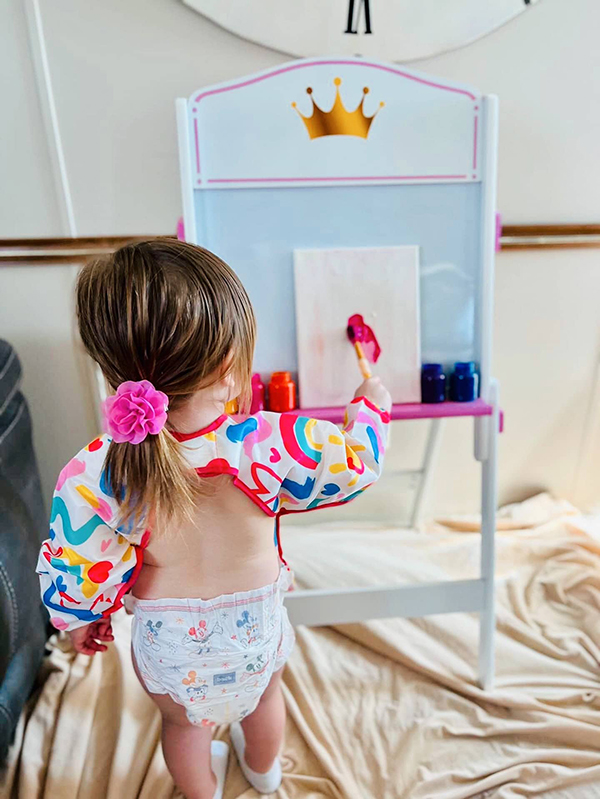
point(172, 511)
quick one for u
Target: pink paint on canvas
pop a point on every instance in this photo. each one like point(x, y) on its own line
point(360, 332)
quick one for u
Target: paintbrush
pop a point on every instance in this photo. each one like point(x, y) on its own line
point(362, 337)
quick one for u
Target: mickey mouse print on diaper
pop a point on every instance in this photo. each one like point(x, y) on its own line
point(201, 636)
point(255, 668)
point(151, 634)
point(249, 626)
point(196, 688)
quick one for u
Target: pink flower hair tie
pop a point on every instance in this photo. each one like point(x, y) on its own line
point(136, 411)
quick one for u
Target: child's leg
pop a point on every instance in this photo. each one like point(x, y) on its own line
point(186, 747)
point(263, 729)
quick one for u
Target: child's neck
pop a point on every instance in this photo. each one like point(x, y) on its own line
point(197, 414)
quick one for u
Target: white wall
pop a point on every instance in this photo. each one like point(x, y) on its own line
point(27, 197)
point(116, 69)
point(36, 316)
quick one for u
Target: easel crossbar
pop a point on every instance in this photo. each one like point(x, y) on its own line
point(323, 607)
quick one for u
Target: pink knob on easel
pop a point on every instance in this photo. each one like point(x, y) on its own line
point(498, 231)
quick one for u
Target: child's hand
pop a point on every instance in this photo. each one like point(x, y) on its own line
point(374, 390)
point(87, 639)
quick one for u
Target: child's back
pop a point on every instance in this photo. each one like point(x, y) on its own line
point(174, 511)
point(227, 547)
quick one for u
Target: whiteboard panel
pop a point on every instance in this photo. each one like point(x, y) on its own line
point(256, 232)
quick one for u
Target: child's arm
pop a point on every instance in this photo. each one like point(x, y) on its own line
point(329, 467)
point(86, 565)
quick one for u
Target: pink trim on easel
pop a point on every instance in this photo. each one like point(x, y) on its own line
point(197, 148)
point(415, 410)
point(303, 65)
point(497, 244)
point(337, 62)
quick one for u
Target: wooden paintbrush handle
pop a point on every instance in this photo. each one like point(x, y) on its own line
point(364, 368)
point(363, 363)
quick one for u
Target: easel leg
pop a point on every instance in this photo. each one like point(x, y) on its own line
point(431, 448)
point(487, 623)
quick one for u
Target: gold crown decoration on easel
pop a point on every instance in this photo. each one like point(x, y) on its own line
point(338, 121)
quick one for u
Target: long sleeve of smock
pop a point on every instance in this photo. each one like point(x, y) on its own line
point(87, 563)
point(288, 463)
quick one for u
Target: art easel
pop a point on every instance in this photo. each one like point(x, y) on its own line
point(257, 184)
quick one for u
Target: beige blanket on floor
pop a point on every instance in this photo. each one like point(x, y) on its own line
point(384, 709)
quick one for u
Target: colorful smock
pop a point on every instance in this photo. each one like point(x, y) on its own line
point(284, 463)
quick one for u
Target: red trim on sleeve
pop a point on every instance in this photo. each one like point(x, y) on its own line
point(126, 587)
point(216, 468)
point(212, 426)
point(385, 417)
point(251, 495)
point(279, 547)
point(219, 467)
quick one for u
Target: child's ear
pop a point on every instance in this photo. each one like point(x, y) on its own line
point(230, 385)
point(228, 378)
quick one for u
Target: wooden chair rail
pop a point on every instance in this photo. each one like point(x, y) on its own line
point(67, 250)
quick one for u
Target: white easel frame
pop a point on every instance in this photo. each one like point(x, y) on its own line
point(338, 606)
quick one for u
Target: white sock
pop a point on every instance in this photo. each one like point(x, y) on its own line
point(263, 783)
point(219, 753)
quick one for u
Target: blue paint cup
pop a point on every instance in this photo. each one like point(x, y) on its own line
point(433, 383)
point(464, 382)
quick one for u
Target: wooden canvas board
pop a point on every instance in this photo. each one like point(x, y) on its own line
point(382, 284)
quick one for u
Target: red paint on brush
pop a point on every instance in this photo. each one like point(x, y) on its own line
point(360, 333)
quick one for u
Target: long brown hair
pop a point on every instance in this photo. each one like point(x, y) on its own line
point(176, 315)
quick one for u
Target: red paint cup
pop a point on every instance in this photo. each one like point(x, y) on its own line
point(282, 392)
